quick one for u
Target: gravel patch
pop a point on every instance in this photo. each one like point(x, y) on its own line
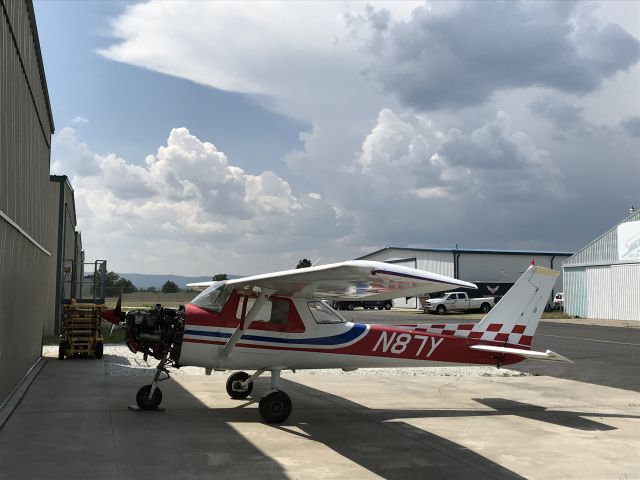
point(119, 361)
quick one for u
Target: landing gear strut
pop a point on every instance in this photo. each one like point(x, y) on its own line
point(149, 397)
point(274, 406)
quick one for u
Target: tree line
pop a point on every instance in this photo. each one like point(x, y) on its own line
point(115, 284)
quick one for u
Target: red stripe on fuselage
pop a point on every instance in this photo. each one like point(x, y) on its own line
point(383, 341)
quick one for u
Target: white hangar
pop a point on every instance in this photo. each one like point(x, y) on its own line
point(493, 270)
point(603, 279)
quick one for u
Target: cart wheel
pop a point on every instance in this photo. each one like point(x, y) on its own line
point(62, 350)
point(99, 350)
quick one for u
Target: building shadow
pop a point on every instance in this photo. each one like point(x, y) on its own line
point(378, 439)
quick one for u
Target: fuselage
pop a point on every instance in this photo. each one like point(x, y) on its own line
point(299, 333)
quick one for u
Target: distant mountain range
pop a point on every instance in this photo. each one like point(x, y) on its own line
point(145, 280)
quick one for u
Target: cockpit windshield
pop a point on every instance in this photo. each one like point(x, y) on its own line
point(214, 297)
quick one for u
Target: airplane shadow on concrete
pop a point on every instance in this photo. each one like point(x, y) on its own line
point(377, 440)
point(209, 440)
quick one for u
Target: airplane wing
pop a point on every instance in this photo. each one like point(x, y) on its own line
point(353, 279)
point(199, 286)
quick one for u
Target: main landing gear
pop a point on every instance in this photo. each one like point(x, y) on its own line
point(274, 406)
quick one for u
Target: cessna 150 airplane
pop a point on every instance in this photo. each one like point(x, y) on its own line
point(279, 321)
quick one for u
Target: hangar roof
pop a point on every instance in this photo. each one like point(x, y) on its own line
point(470, 250)
point(604, 249)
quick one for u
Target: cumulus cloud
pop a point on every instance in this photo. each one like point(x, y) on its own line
point(71, 156)
point(407, 144)
point(79, 120)
point(189, 193)
point(294, 57)
point(463, 55)
point(563, 114)
point(631, 125)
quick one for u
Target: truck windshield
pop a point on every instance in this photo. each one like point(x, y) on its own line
point(213, 298)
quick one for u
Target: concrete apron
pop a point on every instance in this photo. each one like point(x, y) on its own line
point(74, 423)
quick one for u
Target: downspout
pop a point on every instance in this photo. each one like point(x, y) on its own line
point(56, 325)
point(553, 290)
point(456, 262)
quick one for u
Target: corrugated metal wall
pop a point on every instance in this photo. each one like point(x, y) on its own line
point(575, 292)
point(603, 291)
point(625, 292)
point(25, 139)
point(436, 262)
point(505, 268)
point(403, 302)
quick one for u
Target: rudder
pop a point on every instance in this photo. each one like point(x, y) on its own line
point(515, 317)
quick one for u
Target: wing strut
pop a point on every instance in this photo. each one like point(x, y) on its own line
point(244, 323)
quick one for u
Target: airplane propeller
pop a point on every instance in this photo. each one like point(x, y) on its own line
point(114, 316)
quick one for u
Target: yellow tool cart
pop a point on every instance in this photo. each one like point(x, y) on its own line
point(80, 333)
point(81, 300)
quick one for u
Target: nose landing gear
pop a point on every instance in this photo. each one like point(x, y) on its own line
point(149, 397)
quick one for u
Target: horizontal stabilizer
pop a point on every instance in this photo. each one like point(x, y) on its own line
point(533, 355)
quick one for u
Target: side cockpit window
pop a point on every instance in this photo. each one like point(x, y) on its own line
point(323, 313)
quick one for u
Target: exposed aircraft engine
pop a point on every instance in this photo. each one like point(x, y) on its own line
point(155, 332)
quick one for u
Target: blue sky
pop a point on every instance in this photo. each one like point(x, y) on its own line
point(132, 109)
point(207, 137)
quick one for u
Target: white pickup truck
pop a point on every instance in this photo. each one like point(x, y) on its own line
point(458, 301)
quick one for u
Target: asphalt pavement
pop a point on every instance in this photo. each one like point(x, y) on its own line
point(608, 356)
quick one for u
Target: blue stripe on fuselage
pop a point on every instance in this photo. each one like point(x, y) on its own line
point(357, 330)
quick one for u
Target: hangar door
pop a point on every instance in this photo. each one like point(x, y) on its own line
point(402, 302)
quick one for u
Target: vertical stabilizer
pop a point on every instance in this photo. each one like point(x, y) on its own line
point(516, 316)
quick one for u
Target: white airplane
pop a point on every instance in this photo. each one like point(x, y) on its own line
point(280, 321)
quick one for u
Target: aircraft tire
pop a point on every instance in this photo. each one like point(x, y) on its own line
point(99, 350)
point(142, 398)
point(275, 407)
point(238, 377)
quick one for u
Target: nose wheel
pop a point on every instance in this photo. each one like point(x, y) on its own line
point(147, 400)
point(149, 397)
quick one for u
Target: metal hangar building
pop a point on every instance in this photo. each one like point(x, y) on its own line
point(25, 145)
point(493, 270)
point(603, 279)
